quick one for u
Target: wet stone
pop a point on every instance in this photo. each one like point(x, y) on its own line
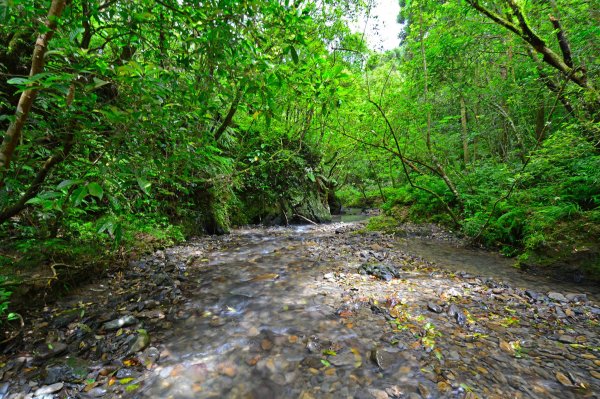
point(313, 362)
point(97, 392)
point(49, 389)
point(556, 296)
point(458, 315)
point(434, 307)
point(567, 339)
point(383, 359)
point(344, 359)
point(65, 318)
point(576, 297)
point(47, 351)
point(381, 271)
point(141, 342)
point(124, 321)
point(291, 318)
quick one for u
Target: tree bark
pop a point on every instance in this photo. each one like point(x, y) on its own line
point(229, 117)
point(465, 135)
point(15, 129)
point(37, 182)
point(524, 31)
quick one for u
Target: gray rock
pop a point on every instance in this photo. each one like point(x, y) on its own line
point(47, 351)
point(557, 296)
point(97, 392)
point(434, 307)
point(459, 316)
point(125, 373)
point(344, 359)
point(313, 346)
point(575, 297)
point(4, 390)
point(49, 389)
point(64, 318)
point(533, 295)
point(383, 359)
point(124, 321)
point(141, 342)
point(150, 356)
point(313, 362)
point(567, 339)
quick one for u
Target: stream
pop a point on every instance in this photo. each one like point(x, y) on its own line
point(312, 312)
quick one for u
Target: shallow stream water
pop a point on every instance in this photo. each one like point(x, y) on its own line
point(293, 313)
point(274, 314)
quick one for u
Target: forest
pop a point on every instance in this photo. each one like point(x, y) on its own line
point(174, 177)
point(133, 125)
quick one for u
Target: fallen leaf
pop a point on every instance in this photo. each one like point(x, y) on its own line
point(563, 379)
point(506, 347)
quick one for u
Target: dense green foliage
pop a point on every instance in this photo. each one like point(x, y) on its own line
point(153, 120)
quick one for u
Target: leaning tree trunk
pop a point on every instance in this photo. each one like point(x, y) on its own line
point(14, 131)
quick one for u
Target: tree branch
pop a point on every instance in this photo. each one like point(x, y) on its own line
point(15, 129)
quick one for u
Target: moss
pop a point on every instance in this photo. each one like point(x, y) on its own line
point(383, 223)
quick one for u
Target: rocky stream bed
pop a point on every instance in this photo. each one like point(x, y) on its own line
point(305, 312)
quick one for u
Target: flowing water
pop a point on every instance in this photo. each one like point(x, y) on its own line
point(450, 256)
point(274, 314)
point(292, 313)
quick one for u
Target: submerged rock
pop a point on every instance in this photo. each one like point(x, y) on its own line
point(381, 271)
point(124, 321)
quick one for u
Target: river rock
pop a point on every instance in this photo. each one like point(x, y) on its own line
point(65, 318)
point(49, 389)
point(72, 370)
point(383, 358)
point(149, 357)
point(124, 321)
point(378, 394)
point(344, 359)
point(567, 339)
point(97, 392)
point(47, 351)
point(576, 297)
point(381, 271)
point(458, 315)
point(141, 342)
point(313, 362)
point(313, 345)
point(557, 296)
point(533, 295)
point(434, 307)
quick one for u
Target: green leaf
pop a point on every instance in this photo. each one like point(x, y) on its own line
point(17, 81)
point(294, 54)
point(95, 190)
point(67, 183)
point(79, 195)
point(144, 185)
point(107, 226)
point(35, 200)
point(99, 83)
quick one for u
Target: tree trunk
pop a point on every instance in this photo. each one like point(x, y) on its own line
point(438, 166)
point(465, 135)
point(15, 129)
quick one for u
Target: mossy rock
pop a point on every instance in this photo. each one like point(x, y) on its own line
point(385, 224)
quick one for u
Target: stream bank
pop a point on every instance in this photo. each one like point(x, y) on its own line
point(306, 312)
